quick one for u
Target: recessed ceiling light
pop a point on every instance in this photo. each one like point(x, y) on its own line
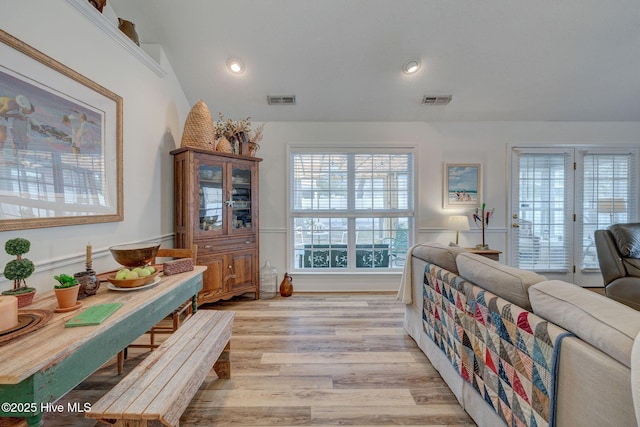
point(411, 66)
point(235, 66)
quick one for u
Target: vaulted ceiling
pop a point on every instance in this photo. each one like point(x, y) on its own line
point(512, 60)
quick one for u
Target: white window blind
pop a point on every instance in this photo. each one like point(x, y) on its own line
point(544, 211)
point(351, 210)
point(609, 196)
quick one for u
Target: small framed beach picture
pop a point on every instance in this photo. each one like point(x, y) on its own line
point(462, 185)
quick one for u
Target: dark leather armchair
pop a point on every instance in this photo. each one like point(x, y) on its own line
point(619, 256)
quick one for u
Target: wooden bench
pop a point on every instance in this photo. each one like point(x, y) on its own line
point(158, 390)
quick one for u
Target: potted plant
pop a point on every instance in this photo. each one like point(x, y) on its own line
point(18, 270)
point(66, 291)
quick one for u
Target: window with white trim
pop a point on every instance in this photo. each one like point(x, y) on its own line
point(351, 210)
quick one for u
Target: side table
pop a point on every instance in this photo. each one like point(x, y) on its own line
point(489, 253)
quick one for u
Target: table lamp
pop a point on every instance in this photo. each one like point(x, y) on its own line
point(612, 207)
point(458, 223)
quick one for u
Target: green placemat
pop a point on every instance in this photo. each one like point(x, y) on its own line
point(93, 315)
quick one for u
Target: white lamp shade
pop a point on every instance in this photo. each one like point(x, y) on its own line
point(612, 206)
point(458, 223)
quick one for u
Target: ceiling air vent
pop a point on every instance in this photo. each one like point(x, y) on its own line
point(281, 100)
point(436, 99)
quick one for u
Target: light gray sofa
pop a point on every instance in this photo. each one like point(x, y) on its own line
point(587, 337)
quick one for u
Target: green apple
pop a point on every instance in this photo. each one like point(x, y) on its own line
point(121, 274)
point(143, 272)
point(137, 269)
point(132, 275)
point(151, 269)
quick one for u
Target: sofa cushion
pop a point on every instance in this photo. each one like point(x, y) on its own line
point(438, 254)
point(506, 282)
point(627, 237)
point(600, 321)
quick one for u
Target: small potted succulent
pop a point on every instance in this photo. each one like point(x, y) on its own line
point(66, 291)
point(18, 270)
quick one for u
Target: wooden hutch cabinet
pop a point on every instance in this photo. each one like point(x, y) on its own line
point(216, 208)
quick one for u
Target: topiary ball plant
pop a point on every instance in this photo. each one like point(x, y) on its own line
point(20, 268)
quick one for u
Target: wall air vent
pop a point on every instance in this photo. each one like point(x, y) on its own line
point(281, 100)
point(436, 99)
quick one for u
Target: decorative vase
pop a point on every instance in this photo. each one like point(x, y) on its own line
point(67, 297)
point(253, 147)
point(268, 280)
point(89, 283)
point(224, 146)
point(98, 4)
point(286, 286)
point(129, 29)
point(243, 144)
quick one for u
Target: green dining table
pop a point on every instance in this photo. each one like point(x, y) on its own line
point(39, 367)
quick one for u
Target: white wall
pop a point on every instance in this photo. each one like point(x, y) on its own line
point(154, 112)
point(436, 143)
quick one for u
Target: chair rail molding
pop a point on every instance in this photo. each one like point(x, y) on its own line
point(93, 15)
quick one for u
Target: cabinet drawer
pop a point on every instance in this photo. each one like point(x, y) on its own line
point(225, 245)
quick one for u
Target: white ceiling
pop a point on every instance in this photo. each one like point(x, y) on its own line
point(558, 60)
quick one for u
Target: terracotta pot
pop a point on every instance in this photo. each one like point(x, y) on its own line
point(67, 297)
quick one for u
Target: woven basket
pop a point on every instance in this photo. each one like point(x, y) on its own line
point(224, 145)
point(198, 128)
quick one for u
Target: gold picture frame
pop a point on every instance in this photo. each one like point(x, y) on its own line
point(60, 143)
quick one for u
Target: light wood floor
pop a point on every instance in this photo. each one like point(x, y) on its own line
point(311, 359)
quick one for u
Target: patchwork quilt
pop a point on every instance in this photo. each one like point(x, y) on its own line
point(508, 354)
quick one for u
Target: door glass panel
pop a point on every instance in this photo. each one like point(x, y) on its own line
point(542, 213)
point(241, 196)
point(210, 197)
point(608, 186)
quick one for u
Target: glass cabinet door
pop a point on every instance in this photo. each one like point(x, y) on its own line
point(242, 213)
point(210, 196)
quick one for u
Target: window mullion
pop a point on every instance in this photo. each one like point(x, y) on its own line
point(351, 204)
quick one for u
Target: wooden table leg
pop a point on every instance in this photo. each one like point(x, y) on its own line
point(223, 364)
point(120, 361)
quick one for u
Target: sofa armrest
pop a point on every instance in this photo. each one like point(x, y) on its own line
point(608, 256)
point(600, 321)
point(438, 254)
point(625, 290)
